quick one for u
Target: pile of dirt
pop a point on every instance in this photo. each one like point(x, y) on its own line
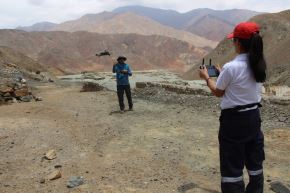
point(275, 32)
point(92, 87)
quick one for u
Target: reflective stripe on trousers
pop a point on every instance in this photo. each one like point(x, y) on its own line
point(238, 179)
point(232, 179)
point(255, 173)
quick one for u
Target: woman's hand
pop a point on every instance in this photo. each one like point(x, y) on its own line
point(203, 74)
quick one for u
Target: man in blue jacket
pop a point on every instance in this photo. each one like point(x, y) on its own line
point(123, 72)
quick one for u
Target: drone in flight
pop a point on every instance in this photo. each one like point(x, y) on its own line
point(104, 53)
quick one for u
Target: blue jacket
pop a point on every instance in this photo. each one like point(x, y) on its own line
point(122, 79)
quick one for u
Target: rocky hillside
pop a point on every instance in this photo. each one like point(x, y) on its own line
point(75, 52)
point(210, 27)
point(275, 31)
point(128, 23)
point(15, 65)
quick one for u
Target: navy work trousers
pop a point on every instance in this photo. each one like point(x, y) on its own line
point(241, 144)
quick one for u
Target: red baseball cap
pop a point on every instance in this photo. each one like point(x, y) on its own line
point(244, 30)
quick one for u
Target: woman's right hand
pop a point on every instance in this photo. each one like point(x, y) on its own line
point(203, 73)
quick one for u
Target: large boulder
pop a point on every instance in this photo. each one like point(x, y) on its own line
point(21, 92)
point(5, 89)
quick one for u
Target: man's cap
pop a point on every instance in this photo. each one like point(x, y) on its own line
point(244, 30)
point(121, 58)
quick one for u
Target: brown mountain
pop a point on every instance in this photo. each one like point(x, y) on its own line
point(127, 23)
point(215, 24)
point(210, 26)
point(275, 31)
point(208, 23)
point(75, 52)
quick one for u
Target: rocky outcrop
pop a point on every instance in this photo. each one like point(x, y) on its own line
point(16, 92)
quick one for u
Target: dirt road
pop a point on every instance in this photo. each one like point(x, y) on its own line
point(158, 148)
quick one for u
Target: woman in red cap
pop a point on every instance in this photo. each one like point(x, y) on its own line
point(240, 137)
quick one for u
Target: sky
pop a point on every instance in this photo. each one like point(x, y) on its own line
point(14, 13)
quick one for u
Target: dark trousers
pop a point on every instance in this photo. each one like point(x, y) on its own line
point(120, 91)
point(241, 144)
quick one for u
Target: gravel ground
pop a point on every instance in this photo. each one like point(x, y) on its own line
point(167, 144)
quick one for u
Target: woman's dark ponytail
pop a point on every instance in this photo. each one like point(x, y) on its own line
point(256, 58)
point(254, 47)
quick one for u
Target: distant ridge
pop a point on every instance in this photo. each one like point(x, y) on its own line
point(43, 26)
point(130, 23)
point(222, 20)
point(213, 24)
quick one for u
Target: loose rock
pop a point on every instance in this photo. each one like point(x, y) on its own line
point(37, 98)
point(50, 155)
point(42, 181)
point(58, 166)
point(75, 181)
point(27, 98)
point(278, 187)
point(54, 175)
